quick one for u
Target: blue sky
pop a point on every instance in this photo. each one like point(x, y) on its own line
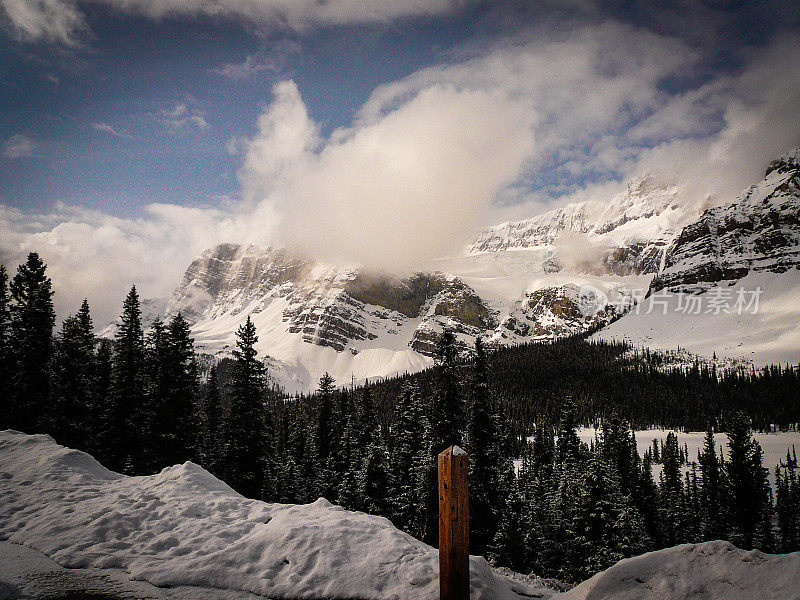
point(139, 132)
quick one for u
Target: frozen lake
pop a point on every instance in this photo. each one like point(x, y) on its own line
point(774, 445)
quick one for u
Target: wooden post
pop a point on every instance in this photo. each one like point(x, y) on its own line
point(453, 525)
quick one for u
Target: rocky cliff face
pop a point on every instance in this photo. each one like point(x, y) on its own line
point(517, 282)
point(629, 235)
point(760, 231)
point(326, 305)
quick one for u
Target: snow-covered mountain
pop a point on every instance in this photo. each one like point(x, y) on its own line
point(730, 283)
point(573, 269)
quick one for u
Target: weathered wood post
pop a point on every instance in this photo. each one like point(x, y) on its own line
point(453, 525)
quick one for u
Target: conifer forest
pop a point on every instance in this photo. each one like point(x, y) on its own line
point(541, 500)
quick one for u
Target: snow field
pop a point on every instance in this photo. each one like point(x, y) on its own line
point(184, 527)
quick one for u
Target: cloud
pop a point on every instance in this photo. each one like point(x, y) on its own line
point(57, 21)
point(294, 13)
point(269, 61)
point(61, 21)
point(427, 157)
point(19, 146)
point(536, 122)
point(98, 256)
point(106, 128)
point(182, 116)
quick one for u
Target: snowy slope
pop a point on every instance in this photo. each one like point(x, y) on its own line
point(183, 527)
point(770, 336)
point(710, 571)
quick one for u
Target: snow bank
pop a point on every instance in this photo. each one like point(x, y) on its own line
point(183, 527)
point(710, 571)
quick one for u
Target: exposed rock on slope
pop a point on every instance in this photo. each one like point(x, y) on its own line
point(517, 282)
point(760, 231)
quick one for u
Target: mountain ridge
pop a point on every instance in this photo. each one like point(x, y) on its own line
point(570, 270)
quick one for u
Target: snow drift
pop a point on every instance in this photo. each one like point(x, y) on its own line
point(710, 571)
point(184, 527)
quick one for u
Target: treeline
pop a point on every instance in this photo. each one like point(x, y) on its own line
point(604, 379)
point(139, 404)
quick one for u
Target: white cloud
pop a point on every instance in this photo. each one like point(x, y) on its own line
point(56, 21)
point(268, 61)
point(181, 116)
point(106, 128)
point(426, 157)
point(61, 21)
point(19, 146)
point(98, 256)
point(429, 158)
point(295, 13)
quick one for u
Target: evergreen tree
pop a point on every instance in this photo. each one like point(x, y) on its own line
point(6, 355)
point(123, 428)
point(73, 384)
point(749, 496)
point(181, 409)
point(211, 423)
point(326, 429)
point(482, 437)
point(407, 441)
point(374, 480)
point(787, 503)
point(508, 547)
point(607, 527)
point(243, 431)
point(424, 478)
point(32, 321)
point(101, 396)
point(672, 500)
point(448, 417)
point(712, 491)
point(348, 492)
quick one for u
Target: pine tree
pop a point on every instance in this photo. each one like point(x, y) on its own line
point(424, 478)
point(672, 498)
point(73, 383)
point(181, 414)
point(712, 492)
point(509, 541)
point(749, 496)
point(787, 503)
point(348, 493)
point(374, 479)
point(243, 431)
point(6, 355)
point(407, 440)
point(32, 321)
point(326, 429)
point(448, 412)
point(607, 527)
point(482, 446)
point(123, 428)
point(211, 423)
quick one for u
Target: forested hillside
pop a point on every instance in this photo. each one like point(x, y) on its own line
point(140, 404)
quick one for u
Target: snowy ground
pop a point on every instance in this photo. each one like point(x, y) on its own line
point(183, 527)
point(71, 529)
point(709, 571)
point(774, 445)
point(27, 573)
